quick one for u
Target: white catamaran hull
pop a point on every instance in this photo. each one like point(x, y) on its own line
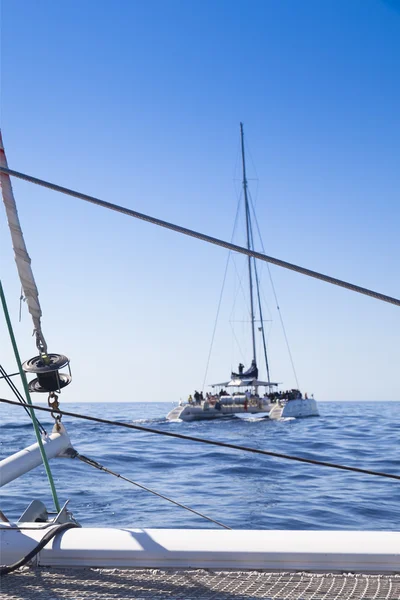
point(293, 409)
point(296, 409)
point(199, 413)
point(326, 551)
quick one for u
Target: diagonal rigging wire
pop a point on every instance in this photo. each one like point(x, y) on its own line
point(17, 393)
point(96, 465)
point(220, 299)
point(191, 438)
point(259, 298)
point(276, 299)
point(240, 288)
point(237, 342)
point(204, 237)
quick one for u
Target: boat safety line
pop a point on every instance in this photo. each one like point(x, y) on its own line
point(190, 438)
point(48, 536)
point(96, 465)
point(4, 375)
point(202, 236)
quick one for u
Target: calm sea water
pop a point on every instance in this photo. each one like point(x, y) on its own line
point(239, 489)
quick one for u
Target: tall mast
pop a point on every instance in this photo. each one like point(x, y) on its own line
point(261, 314)
point(248, 230)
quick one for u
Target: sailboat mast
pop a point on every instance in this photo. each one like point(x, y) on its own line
point(248, 230)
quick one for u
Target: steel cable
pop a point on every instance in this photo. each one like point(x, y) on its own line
point(203, 237)
point(97, 465)
point(20, 397)
point(191, 438)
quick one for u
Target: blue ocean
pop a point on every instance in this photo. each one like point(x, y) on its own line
point(239, 489)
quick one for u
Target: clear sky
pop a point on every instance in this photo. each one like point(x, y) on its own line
point(139, 103)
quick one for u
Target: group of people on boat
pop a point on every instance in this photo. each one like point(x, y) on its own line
point(198, 398)
point(286, 395)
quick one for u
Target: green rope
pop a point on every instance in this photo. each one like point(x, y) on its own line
point(28, 398)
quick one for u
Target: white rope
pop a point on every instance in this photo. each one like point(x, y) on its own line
point(21, 255)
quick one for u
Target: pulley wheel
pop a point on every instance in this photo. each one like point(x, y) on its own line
point(52, 384)
point(37, 364)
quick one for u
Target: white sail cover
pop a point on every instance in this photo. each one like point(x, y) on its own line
point(21, 255)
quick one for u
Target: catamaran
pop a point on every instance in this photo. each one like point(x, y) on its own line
point(244, 392)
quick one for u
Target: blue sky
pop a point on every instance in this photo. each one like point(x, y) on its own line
point(139, 103)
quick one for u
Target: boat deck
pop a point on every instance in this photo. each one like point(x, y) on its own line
point(155, 584)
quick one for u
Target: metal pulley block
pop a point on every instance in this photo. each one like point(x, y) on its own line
point(47, 367)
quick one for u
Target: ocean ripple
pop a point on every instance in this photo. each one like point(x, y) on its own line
point(243, 490)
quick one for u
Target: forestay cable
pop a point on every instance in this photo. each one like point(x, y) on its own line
point(191, 438)
point(96, 465)
point(220, 299)
point(7, 378)
point(202, 236)
point(276, 298)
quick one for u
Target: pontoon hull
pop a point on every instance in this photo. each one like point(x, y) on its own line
point(293, 409)
point(198, 413)
point(327, 551)
point(297, 409)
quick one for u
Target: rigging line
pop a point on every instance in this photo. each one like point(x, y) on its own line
point(256, 179)
point(260, 272)
point(259, 306)
point(206, 238)
point(240, 288)
point(220, 297)
point(243, 358)
point(240, 277)
point(20, 397)
point(215, 322)
point(276, 301)
point(96, 465)
point(248, 151)
point(21, 299)
point(191, 438)
point(248, 227)
point(258, 295)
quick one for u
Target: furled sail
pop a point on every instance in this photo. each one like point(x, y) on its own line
point(21, 255)
point(251, 373)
